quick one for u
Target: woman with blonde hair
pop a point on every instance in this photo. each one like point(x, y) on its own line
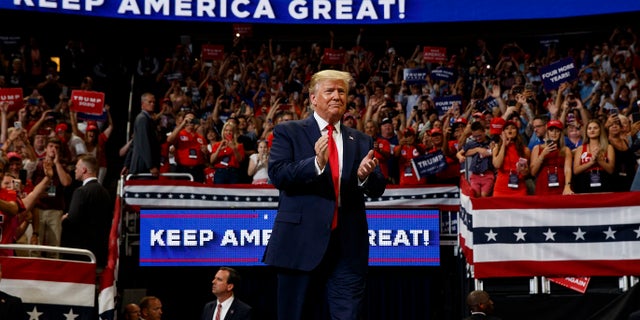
point(593, 163)
point(226, 155)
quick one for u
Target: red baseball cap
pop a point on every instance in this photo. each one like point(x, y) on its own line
point(14, 155)
point(61, 127)
point(409, 132)
point(435, 131)
point(555, 124)
point(497, 123)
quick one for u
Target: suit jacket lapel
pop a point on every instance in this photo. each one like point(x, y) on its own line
point(348, 152)
point(311, 129)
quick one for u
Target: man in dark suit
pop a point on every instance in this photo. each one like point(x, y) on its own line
point(226, 306)
point(145, 150)
point(10, 306)
point(88, 222)
point(319, 241)
point(480, 305)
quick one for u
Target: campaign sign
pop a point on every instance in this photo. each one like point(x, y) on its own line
point(91, 102)
point(444, 73)
point(13, 97)
point(333, 56)
point(429, 164)
point(212, 52)
point(434, 54)
point(415, 75)
point(94, 117)
point(243, 29)
point(574, 283)
point(238, 237)
point(558, 72)
point(443, 104)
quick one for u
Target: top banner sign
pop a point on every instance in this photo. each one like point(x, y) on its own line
point(322, 11)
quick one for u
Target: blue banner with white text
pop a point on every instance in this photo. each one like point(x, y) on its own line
point(238, 237)
point(323, 11)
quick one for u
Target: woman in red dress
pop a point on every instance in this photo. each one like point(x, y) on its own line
point(510, 160)
point(551, 162)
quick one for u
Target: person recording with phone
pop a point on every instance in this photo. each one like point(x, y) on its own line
point(190, 147)
point(510, 160)
point(226, 156)
point(551, 163)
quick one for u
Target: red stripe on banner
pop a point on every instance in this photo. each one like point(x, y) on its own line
point(556, 268)
point(593, 200)
point(403, 216)
point(198, 216)
point(408, 260)
point(24, 268)
point(466, 250)
point(201, 260)
point(184, 182)
point(108, 277)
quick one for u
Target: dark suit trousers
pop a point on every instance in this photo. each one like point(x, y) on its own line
point(334, 283)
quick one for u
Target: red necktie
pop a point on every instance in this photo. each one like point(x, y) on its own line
point(218, 314)
point(334, 163)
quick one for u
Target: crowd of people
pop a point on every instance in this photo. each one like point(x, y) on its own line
point(214, 119)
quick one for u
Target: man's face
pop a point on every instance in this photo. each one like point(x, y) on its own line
point(386, 129)
point(539, 128)
point(478, 135)
point(330, 100)
point(39, 142)
point(132, 312)
point(149, 105)
point(242, 123)
point(154, 311)
point(220, 284)
point(52, 150)
point(80, 170)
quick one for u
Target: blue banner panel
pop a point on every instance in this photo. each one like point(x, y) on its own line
point(324, 11)
point(238, 237)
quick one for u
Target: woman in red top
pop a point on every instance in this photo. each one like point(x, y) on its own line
point(405, 152)
point(226, 156)
point(510, 159)
point(594, 161)
point(551, 162)
point(190, 146)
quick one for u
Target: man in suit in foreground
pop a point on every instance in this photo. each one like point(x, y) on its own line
point(88, 222)
point(480, 305)
point(319, 241)
point(226, 306)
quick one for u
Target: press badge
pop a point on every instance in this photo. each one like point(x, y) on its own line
point(552, 178)
point(594, 177)
point(513, 180)
point(51, 191)
point(408, 172)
